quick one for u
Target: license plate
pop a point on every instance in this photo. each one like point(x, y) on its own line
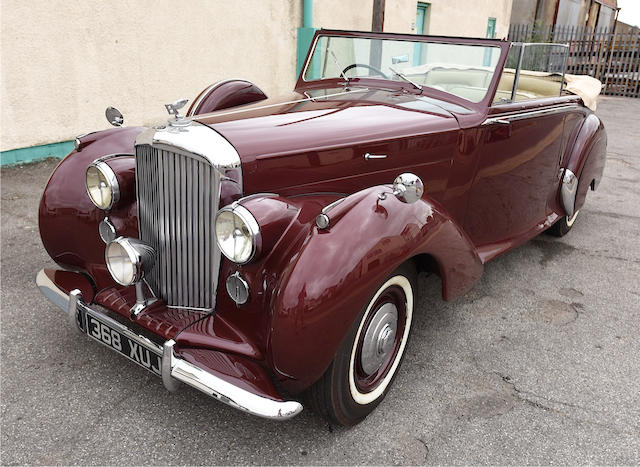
point(118, 341)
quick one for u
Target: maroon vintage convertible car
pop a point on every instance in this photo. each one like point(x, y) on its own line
point(265, 251)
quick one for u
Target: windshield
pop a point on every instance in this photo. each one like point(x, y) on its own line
point(459, 69)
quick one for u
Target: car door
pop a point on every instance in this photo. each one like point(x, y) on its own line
point(518, 171)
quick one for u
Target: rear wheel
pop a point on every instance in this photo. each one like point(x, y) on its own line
point(369, 357)
point(563, 226)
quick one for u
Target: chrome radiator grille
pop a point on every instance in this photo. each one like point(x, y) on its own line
point(177, 203)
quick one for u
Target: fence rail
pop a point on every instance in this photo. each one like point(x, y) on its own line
point(611, 56)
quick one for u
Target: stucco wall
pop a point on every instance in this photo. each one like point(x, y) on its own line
point(64, 62)
point(450, 18)
point(353, 15)
point(523, 11)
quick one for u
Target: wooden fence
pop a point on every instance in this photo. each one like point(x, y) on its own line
point(613, 57)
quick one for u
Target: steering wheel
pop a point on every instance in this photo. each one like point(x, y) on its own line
point(374, 69)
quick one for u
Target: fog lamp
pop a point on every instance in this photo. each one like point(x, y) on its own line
point(128, 259)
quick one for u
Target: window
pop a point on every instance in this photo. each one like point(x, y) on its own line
point(568, 13)
point(604, 18)
point(422, 27)
point(491, 34)
point(491, 28)
point(450, 67)
point(537, 72)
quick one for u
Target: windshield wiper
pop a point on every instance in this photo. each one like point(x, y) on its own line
point(404, 77)
point(340, 67)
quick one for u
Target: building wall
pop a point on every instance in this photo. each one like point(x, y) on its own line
point(523, 11)
point(354, 15)
point(450, 18)
point(64, 62)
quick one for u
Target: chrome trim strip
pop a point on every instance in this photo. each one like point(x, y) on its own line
point(229, 394)
point(196, 139)
point(256, 195)
point(508, 117)
point(332, 205)
point(51, 291)
point(174, 369)
point(516, 78)
point(568, 192)
point(112, 180)
point(171, 384)
point(114, 155)
point(310, 53)
point(191, 308)
point(218, 113)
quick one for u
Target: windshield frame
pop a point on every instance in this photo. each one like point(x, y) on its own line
point(379, 82)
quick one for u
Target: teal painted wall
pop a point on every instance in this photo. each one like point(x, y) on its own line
point(35, 153)
point(305, 36)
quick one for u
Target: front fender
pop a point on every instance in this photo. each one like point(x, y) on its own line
point(335, 272)
point(67, 218)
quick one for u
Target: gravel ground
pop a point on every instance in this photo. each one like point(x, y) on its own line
point(537, 364)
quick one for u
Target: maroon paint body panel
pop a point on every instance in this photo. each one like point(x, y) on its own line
point(586, 159)
point(314, 306)
point(312, 146)
point(225, 94)
point(68, 220)
point(488, 188)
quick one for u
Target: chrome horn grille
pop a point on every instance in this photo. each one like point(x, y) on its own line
point(178, 195)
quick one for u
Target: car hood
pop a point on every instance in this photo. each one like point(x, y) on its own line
point(328, 118)
point(281, 132)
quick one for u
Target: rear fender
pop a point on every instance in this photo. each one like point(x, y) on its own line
point(586, 161)
point(225, 94)
point(326, 283)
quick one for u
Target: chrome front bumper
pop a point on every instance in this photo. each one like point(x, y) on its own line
point(174, 369)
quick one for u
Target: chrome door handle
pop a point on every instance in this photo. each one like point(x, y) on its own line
point(368, 157)
point(499, 121)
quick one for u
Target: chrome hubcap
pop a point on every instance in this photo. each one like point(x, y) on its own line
point(379, 338)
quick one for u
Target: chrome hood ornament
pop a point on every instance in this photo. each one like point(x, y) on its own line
point(173, 109)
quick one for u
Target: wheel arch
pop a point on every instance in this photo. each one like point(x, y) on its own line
point(325, 284)
point(585, 164)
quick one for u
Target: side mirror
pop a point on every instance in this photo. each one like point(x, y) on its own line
point(114, 116)
point(408, 188)
point(399, 59)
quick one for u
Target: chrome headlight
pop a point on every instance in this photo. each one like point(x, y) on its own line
point(128, 259)
point(237, 234)
point(102, 185)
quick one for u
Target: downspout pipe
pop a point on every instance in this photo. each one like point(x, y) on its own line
point(305, 34)
point(307, 13)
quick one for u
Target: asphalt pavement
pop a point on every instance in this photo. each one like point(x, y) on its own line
point(539, 363)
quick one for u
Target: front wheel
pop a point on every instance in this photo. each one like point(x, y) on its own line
point(369, 357)
point(563, 226)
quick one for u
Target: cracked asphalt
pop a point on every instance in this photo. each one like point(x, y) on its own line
point(538, 364)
